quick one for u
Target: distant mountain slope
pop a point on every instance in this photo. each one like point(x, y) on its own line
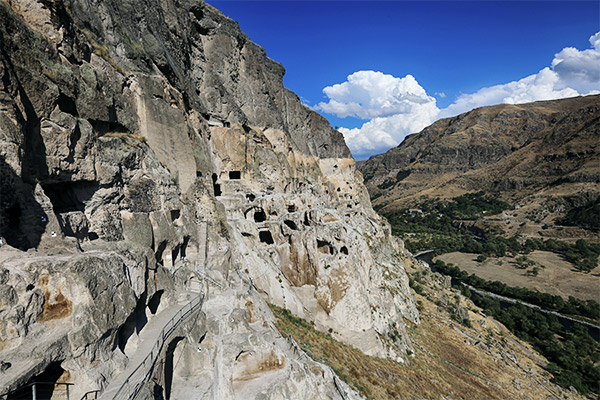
point(544, 154)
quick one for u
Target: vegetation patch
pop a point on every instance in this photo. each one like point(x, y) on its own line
point(445, 364)
point(371, 376)
point(587, 216)
point(573, 354)
point(573, 306)
point(440, 225)
point(125, 135)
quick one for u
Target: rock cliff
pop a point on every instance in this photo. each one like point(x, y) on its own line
point(149, 152)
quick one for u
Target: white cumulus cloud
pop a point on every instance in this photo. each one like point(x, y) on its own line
point(396, 107)
point(372, 94)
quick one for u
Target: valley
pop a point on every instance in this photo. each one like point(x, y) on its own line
point(498, 199)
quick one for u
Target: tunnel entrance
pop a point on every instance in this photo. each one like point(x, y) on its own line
point(324, 247)
point(291, 224)
point(45, 384)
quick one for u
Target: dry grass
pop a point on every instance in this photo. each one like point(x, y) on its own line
point(557, 276)
point(124, 135)
point(451, 361)
point(444, 365)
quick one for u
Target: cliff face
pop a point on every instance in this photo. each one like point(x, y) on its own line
point(148, 150)
point(530, 153)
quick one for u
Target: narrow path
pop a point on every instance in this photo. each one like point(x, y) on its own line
point(152, 338)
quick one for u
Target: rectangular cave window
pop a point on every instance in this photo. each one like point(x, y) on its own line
point(175, 214)
point(260, 216)
point(266, 237)
point(216, 186)
point(235, 175)
point(291, 208)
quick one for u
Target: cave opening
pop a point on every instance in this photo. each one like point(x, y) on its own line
point(291, 224)
point(259, 215)
point(266, 237)
point(306, 221)
point(344, 250)
point(324, 247)
point(235, 175)
point(70, 196)
point(46, 385)
point(216, 186)
point(66, 104)
point(175, 214)
point(291, 208)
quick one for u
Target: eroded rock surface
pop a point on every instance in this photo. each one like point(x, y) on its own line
point(148, 149)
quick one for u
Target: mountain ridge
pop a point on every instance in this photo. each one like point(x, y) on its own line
point(529, 148)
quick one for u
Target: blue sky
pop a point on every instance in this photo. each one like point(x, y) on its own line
point(450, 48)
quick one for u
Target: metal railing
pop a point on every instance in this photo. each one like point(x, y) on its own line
point(134, 382)
point(39, 395)
point(91, 395)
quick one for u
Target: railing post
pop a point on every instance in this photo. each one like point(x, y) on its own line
point(68, 392)
point(33, 392)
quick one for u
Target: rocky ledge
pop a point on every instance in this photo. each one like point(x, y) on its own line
point(149, 152)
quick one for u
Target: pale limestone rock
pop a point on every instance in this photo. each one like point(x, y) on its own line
point(169, 161)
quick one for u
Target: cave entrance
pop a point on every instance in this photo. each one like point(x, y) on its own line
point(216, 186)
point(70, 196)
point(259, 215)
point(50, 384)
point(235, 175)
point(324, 247)
point(291, 224)
point(266, 237)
